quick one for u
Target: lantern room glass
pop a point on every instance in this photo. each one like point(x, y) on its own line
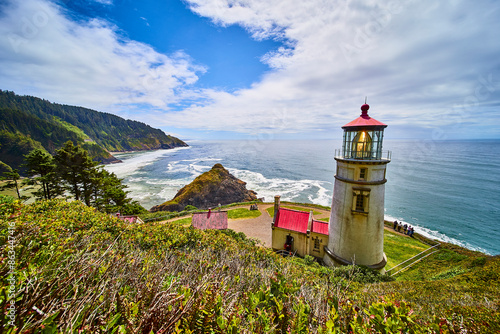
point(362, 144)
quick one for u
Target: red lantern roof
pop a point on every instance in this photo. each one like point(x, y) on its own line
point(364, 120)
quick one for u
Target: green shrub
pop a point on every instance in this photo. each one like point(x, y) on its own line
point(450, 256)
point(361, 274)
point(309, 260)
point(448, 273)
point(132, 209)
point(478, 261)
point(89, 272)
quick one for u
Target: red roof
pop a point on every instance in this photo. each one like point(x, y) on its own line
point(364, 119)
point(320, 227)
point(292, 220)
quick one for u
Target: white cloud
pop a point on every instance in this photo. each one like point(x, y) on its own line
point(414, 60)
point(105, 2)
point(422, 64)
point(44, 53)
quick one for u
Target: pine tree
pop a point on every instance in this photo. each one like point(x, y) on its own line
point(77, 169)
point(109, 194)
point(12, 177)
point(41, 167)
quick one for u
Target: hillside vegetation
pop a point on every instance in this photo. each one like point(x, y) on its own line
point(78, 270)
point(28, 122)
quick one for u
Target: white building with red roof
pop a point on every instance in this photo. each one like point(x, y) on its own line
point(298, 232)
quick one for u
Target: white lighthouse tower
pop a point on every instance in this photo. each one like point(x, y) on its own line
point(356, 232)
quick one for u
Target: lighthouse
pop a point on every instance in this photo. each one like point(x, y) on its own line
point(356, 231)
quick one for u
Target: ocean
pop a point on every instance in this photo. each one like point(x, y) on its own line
point(447, 190)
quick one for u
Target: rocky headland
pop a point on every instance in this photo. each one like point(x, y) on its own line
point(217, 186)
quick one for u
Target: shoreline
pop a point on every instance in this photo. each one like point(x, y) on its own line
point(147, 150)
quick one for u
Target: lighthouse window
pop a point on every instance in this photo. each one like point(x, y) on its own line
point(360, 203)
point(362, 145)
point(362, 173)
point(360, 200)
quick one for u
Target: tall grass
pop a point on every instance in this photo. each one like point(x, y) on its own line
point(82, 271)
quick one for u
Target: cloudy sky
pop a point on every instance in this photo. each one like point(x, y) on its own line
point(262, 68)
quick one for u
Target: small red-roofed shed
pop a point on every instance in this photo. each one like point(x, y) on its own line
point(297, 232)
point(216, 220)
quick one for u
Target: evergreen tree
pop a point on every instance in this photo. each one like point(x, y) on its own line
point(73, 167)
point(41, 166)
point(76, 168)
point(109, 194)
point(12, 177)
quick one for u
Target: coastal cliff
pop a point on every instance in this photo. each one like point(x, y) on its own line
point(28, 122)
point(217, 186)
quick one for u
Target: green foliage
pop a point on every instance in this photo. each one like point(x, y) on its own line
point(387, 317)
point(13, 145)
point(183, 221)
point(450, 256)
point(42, 169)
point(71, 128)
point(89, 272)
point(448, 273)
point(239, 236)
point(309, 260)
point(166, 215)
point(73, 170)
point(361, 274)
point(13, 179)
point(190, 208)
point(76, 168)
point(133, 208)
point(478, 261)
point(309, 205)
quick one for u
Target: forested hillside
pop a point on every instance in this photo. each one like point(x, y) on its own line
point(28, 122)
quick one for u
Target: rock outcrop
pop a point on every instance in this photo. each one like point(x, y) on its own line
point(217, 186)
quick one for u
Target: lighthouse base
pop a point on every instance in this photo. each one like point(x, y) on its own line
point(333, 260)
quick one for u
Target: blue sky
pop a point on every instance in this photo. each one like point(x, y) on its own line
point(262, 69)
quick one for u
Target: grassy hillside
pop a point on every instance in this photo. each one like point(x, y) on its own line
point(79, 270)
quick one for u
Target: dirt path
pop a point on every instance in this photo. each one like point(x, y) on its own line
point(258, 228)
